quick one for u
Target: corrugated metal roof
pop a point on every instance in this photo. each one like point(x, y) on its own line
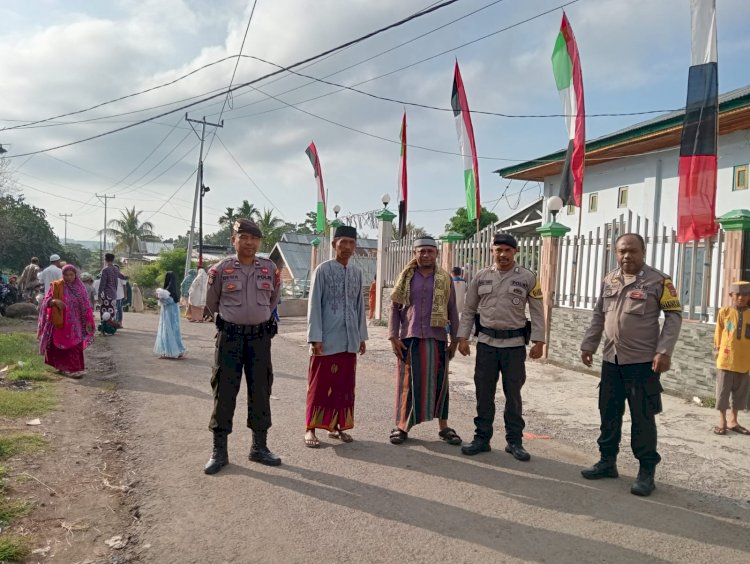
point(308, 238)
point(297, 256)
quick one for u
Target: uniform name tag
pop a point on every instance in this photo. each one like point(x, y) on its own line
point(228, 270)
point(264, 270)
point(637, 295)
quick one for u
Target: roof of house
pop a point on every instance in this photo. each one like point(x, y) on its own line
point(524, 220)
point(657, 133)
point(296, 256)
point(307, 239)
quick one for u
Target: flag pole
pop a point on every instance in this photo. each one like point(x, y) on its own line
point(574, 277)
point(478, 253)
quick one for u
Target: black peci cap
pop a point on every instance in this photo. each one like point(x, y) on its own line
point(505, 239)
point(345, 231)
point(246, 226)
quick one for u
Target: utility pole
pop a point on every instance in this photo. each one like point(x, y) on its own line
point(66, 216)
point(198, 182)
point(104, 198)
point(204, 189)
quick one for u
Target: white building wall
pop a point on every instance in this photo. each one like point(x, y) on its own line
point(640, 174)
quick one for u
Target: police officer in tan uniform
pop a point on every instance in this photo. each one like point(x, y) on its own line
point(499, 295)
point(636, 351)
point(243, 291)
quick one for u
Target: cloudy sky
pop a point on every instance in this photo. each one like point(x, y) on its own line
point(64, 56)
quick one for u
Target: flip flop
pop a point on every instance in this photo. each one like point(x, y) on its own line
point(340, 435)
point(739, 429)
point(720, 431)
point(398, 436)
point(450, 436)
point(312, 443)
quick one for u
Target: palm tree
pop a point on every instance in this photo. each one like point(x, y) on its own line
point(128, 231)
point(271, 227)
point(248, 211)
point(228, 218)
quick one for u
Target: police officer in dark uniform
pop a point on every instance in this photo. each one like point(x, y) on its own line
point(243, 291)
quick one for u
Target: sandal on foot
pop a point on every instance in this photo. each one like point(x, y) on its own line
point(720, 431)
point(312, 442)
point(450, 436)
point(398, 436)
point(739, 429)
point(340, 435)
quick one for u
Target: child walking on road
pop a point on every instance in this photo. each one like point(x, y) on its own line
point(732, 348)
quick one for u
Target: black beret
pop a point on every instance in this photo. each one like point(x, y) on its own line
point(505, 239)
point(246, 226)
point(345, 231)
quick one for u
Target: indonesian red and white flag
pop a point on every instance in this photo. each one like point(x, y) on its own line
point(466, 144)
point(320, 210)
point(403, 191)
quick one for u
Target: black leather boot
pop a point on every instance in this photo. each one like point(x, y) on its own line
point(605, 468)
point(475, 447)
point(644, 482)
point(219, 456)
point(259, 451)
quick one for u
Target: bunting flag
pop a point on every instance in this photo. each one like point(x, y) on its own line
point(566, 66)
point(696, 203)
point(466, 145)
point(320, 211)
point(402, 184)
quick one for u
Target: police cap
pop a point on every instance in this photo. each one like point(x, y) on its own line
point(740, 288)
point(246, 226)
point(505, 239)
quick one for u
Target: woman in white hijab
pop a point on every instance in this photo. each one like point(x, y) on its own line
point(197, 297)
point(137, 299)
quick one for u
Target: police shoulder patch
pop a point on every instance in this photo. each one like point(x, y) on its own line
point(536, 291)
point(669, 300)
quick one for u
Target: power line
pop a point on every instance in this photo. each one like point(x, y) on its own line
point(246, 84)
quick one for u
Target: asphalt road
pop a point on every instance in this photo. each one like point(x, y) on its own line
point(370, 501)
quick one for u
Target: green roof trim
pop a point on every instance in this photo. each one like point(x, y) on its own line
point(646, 128)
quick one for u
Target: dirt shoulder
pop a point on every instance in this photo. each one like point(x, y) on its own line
point(78, 486)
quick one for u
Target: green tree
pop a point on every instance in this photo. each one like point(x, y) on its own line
point(309, 226)
point(152, 275)
point(128, 231)
point(461, 224)
point(83, 258)
point(272, 228)
point(221, 237)
point(24, 232)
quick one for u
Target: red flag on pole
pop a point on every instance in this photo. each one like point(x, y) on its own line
point(466, 144)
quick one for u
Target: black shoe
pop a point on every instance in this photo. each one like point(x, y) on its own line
point(644, 483)
point(605, 468)
point(219, 456)
point(518, 452)
point(475, 447)
point(259, 451)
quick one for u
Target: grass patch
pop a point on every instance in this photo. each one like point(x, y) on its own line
point(9, 322)
point(709, 401)
point(13, 548)
point(23, 347)
point(10, 510)
point(20, 403)
point(17, 443)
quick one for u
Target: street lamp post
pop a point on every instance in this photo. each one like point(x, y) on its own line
point(204, 189)
point(334, 225)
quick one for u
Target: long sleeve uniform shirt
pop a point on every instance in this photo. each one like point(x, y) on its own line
point(627, 314)
point(414, 320)
point(336, 308)
point(732, 339)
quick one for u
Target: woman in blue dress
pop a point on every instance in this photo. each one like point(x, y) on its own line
point(168, 337)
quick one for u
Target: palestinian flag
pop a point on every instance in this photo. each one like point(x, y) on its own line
point(466, 145)
point(696, 203)
point(320, 211)
point(566, 66)
point(402, 184)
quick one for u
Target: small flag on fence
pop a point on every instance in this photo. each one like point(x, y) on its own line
point(402, 183)
point(696, 203)
point(320, 212)
point(466, 145)
point(566, 66)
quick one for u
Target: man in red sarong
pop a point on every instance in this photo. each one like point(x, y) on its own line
point(336, 331)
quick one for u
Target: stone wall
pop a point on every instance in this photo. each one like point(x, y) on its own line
point(692, 372)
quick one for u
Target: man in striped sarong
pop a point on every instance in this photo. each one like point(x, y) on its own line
point(424, 303)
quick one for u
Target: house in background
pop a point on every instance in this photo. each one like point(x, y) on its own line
point(293, 257)
point(523, 222)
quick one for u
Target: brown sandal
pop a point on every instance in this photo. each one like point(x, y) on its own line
point(739, 429)
point(720, 430)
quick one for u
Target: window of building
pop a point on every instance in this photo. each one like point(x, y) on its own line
point(593, 202)
point(571, 209)
point(740, 177)
point(622, 197)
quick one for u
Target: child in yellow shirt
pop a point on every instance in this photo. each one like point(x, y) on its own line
point(732, 348)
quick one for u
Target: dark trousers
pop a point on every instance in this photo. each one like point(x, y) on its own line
point(233, 354)
point(491, 362)
point(641, 387)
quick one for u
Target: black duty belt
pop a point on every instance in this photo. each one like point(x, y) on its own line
point(504, 333)
point(269, 328)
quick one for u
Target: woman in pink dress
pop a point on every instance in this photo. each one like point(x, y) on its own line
point(66, 324)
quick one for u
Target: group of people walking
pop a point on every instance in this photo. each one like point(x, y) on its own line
point(426, 329)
